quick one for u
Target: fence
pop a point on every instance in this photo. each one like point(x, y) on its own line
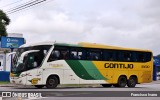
point(4, 76)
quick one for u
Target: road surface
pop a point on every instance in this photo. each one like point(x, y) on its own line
point(89, 92)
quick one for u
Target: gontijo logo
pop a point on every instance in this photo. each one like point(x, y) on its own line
point(118, 65)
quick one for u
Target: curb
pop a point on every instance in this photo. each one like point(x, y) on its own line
point(7, 85)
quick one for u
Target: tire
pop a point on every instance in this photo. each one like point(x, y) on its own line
point(39, 86)
point(122, 81)
point(52, 82)
point(106, 85)
point(132, 81)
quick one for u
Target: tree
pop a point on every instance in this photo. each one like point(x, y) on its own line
point(4, 21)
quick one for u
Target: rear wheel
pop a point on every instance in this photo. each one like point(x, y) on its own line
point(39, 86)
point(106, 85)
point(122, 81)
point(132, 81)
point(52, 82)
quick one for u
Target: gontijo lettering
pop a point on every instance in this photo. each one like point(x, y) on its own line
point(118, 65)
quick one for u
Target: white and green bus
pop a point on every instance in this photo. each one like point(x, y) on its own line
point(51, 64)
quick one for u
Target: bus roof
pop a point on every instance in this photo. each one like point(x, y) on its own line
point(95, 45)
point(36, 44)
point(83, 44)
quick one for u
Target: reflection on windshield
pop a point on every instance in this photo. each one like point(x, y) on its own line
point(15, 63)
point(16, 60)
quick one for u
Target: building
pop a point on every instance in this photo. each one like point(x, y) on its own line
point(5, 59)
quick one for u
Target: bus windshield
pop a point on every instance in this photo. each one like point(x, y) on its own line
point(42, 51)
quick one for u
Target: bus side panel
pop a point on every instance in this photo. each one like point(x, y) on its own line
point(69, 77)
point(61, 68)
point(145, 72)
point(145, 77)
point(108, 74)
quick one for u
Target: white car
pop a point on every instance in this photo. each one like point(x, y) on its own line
point(158, 76)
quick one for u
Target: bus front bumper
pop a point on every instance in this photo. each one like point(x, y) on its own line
point(16, 80)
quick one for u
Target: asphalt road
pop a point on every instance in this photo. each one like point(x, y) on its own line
point(89, 92)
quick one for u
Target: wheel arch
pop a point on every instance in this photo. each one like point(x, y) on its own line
point(121, 76)
point(117, 78)
point(55, 76)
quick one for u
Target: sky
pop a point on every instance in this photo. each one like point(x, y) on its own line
point(124, 23)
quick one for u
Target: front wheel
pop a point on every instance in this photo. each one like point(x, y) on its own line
point(132, 82)
point(106, 85)
point(52, 82)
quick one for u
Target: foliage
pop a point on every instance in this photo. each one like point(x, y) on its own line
point(4, 21)
point(6, 51)
point(4, 82)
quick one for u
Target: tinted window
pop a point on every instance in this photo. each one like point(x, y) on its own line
point(127, 56)
point(93, 54)
point(118, 55)
point(59, 53)
point(77, 53)
point(140, 57)
point(108, 55)
point(148, 56)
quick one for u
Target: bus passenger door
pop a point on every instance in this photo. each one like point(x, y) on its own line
point(40, 75)
point(32, 73)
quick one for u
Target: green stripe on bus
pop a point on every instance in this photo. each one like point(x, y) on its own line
point(65, 44)
point(85, 70)
point(79, 70)
point(92, 70)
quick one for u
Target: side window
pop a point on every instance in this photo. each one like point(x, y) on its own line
point(127, 56)
point(59, 53)
point(148, 56)
point(118, 56)
point(140, 57)
point(31, 61)
point(37, 61)
point(45, 52)
point(108, 55)
point(94, 55)
point(55, 55)
point(64, 54)
point(73, 55)
point(76, 54)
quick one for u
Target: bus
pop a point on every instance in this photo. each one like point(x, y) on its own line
point(83, 63)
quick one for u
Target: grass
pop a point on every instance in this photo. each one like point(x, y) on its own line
point(4, 82)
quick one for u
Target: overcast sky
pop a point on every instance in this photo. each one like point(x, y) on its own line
point(126, 23)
